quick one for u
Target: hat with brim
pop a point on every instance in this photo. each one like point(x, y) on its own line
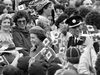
point(8, 46)
point(74, 21)
point(37, 30)
point(39, 4)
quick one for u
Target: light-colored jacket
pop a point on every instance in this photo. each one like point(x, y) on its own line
point(88, 58)
point(6, 37)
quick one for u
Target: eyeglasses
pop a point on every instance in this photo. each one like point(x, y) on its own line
point(20, 21)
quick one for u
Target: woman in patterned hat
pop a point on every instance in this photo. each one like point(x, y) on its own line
point(44, 9)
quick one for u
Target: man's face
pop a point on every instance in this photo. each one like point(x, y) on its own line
point(88, 3)
point(75, 31)
point(8, 4)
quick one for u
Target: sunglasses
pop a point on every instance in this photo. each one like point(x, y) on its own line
point(20, 21)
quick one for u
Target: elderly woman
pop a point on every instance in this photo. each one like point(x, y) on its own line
point(37, 35)
point(5, 28)
point(20, 32)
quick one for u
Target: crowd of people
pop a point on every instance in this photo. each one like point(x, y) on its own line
point(49, 37)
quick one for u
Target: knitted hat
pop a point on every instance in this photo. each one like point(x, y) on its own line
point(23, 63)
point(39, 4)
point(73, 55)
point(53, 67)
point(37, 68)
point(74, 21)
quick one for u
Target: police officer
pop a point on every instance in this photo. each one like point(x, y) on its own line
point(74, 23)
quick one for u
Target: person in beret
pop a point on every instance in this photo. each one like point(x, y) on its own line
point(74, 24)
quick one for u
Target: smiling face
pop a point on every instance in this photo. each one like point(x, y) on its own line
point(8, 4)
point(5, 25)
point(21, 22)
point(34, 39)
point(88, 3)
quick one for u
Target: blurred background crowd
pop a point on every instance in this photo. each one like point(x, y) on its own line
point(49, 37)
